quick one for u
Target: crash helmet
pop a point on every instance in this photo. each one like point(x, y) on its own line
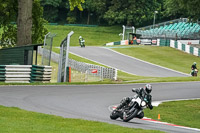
point(80, 37)
point(148, 88)
point(194, 63)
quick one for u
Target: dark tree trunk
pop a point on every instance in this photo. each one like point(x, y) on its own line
point(88, 20)
point(24, 22)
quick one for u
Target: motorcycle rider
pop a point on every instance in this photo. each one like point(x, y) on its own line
point(81, 41)
point(193, 68)
point(144, 93)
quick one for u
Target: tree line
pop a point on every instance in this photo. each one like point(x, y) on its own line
point(101, 12)
point(111, 12)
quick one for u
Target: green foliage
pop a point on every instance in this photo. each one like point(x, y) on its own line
point(9, 36)
point(8, 14)
point(51, 9)
point(184, 8)
point(71, 20)
point(131, 12)
point(76, 3)
point(38, 28)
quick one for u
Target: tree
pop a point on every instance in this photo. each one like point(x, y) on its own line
point(131, 12)
point(183, 8)
point(24, 22)
point(8, 11)
point(95, 7)
point(51, 9)
point(30, 23)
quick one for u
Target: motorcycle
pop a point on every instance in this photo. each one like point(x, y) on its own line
point(82, 43)
point(194, 72)
point(130, 110)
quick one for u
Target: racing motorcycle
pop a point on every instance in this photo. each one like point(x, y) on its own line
point(194, 72)
point(130, 110)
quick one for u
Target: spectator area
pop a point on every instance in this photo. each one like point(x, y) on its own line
point(175, 29)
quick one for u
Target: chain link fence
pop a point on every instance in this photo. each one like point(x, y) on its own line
point(93, 70)
point(47, 48)
point(83, 72)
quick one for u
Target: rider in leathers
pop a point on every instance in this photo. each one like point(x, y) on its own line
point(143, 92)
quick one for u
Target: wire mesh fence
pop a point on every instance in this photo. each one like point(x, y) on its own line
point(47, 48)
point(93, 70)
point(85, 72)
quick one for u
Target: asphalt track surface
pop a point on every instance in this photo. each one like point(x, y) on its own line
point(92, 102)
point(125, 63)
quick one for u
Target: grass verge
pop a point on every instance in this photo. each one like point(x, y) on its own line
point(94, 36)
point(184, 113)
point(13, 119)
point(163, 56)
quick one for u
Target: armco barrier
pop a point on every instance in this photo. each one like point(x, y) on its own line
point(41, 73)
point(190, 49)
point(15, 73)
point(24, 73)
point(123, 42)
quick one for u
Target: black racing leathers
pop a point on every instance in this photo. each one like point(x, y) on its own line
point(141, 92)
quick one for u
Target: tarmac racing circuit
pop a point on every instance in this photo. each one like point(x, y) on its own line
point(93, 102)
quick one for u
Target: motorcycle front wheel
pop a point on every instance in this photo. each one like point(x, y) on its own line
point(114, 115)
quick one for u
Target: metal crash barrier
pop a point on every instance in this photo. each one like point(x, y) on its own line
point(24, 73)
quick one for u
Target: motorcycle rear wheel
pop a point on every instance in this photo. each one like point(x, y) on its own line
point(130, 116)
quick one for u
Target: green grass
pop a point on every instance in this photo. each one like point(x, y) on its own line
point(15, 120)
point(163, 56)
point(94, 36)
point(184, 113)
point(128, 78)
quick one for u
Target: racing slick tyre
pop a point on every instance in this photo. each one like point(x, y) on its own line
point(114, 115)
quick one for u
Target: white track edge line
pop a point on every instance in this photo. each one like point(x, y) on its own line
point(147, 62)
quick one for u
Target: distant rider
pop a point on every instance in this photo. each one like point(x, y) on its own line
point(194, 69)
point(81, 41)
point(144, 93)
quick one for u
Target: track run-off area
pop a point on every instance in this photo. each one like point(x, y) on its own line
point(92, 102)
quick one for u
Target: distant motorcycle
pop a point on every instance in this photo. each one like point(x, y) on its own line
point(194, 72)
point(130, 110)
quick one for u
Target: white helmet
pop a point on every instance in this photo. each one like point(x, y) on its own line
point(148, 88)
point(80, 37)
point(194, 63)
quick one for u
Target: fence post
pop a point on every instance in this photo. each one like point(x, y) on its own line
point(115, 77)
point(68, 74)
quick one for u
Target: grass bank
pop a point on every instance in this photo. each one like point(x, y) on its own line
point(20, 121)
point(184, 113)
point(94, 36)
point(163, 56)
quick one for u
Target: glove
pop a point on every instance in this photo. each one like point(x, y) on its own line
point(150, 107)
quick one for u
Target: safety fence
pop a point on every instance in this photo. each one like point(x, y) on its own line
point(123, 42)
point(188, 46)
point(94, 70)
point(23, 74)
point(86, 69)
point(41, 73)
